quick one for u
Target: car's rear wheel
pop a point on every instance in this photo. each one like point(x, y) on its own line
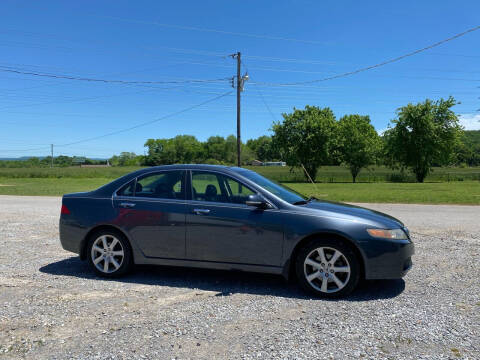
point(109, 253)
point(327, 268)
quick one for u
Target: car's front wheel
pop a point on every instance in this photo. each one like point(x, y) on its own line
point(327, 268)
point(109, 253)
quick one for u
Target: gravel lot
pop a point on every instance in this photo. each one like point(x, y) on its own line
point(52, 307)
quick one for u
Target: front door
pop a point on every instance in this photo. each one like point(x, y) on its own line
point(222, 228)
point(151, 209)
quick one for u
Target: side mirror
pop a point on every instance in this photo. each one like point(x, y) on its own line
point(257, 201)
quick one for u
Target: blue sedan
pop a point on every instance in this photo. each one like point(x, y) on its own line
point(231, 218)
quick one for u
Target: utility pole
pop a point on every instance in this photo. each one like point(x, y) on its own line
point(51, 151)
point(240, 80)
point(239, 89)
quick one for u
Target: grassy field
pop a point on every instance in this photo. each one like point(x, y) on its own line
point(460, 192)
point(378, 184)
point(455, 192)
point(48, 186)
point(74, 172)
point(326, 174)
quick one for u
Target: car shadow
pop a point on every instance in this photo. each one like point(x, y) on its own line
point(225, 283)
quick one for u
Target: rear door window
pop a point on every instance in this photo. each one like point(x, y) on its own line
point(162, 185)
point(159, 185)
point(127, 190)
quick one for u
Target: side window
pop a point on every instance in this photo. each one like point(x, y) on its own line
point(206, 187)
point(238, 192)
point(127, 190)
point(163, 185)
point(218, 188)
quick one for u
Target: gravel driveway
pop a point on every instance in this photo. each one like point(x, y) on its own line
point(52, 307)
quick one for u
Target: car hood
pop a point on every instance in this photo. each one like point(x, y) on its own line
point(352, 212)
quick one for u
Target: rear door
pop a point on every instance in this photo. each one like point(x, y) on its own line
point(222, 228)
point(152, 210)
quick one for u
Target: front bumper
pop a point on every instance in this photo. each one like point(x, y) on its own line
point(387, 259)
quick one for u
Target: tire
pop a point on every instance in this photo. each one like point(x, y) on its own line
point(320, 276)
point(107, 260)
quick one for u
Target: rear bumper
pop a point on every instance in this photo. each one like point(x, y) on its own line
point(388, 259)
point(70, 237)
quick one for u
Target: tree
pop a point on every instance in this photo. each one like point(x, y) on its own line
point(177, 150)
point(214, 149)
point(423, 135)
point(125, 159)
point(468, 151)
point(359, 143)
point(230, 150)
point(263, 149)
point(187, 149)
point(306, 138)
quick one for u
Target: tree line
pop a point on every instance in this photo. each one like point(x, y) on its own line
point(422, 136)
point(59, 161)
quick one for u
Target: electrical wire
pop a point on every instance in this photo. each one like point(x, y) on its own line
point(127, 129)
point(192, 28)
point(24, 150)
point(398, 58)
point(265, 103)
point(68, 77)
point(149, 122)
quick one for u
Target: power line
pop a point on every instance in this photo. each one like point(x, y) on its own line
point(148, 122)
point(69, 77)
point(280, 59)
point(376, 65)
point(81, 99)
point(124, 130)
point(265, 103)
point(24, 150)
point(192, 28)
point(262, 97)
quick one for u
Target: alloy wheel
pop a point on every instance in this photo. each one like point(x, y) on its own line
point(107, 254)
point(327, 269)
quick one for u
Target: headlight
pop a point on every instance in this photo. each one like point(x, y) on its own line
point(394, 234)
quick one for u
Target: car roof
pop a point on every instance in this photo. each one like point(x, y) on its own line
point(192, 166)
point(206, 167)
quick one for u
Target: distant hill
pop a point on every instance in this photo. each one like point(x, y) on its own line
point(23, 158)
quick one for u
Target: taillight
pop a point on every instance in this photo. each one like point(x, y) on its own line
point(64, 210)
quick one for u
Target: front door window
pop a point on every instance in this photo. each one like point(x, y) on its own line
point(214, 187)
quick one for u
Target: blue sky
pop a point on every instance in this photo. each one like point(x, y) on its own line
point(280, 41)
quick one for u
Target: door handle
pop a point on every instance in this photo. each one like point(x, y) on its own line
point(127, 205)
point(201, 211)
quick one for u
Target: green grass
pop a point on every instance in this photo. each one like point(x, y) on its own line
point(48, 186)
point(459, 192)
point(335, 174)
point(66, 172)
point(443, 186)
point(326, 174)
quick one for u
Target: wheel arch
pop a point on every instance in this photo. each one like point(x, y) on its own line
point(102, 227)
point(289, 267)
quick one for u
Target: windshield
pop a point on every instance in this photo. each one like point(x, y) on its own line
point(275, 188)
